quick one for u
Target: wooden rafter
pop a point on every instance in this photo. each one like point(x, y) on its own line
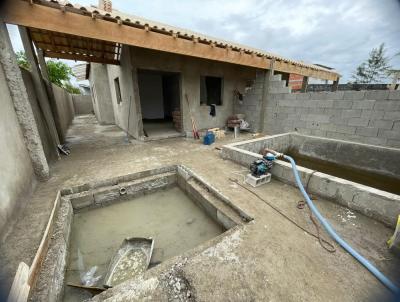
point(57, 20)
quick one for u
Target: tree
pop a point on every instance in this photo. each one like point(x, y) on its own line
point(22, 60)
point(375, 69)
point(59, 72)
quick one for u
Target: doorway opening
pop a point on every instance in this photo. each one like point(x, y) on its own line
point(159, 94)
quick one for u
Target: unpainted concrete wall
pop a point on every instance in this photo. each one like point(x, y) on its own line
point(49, 145)
point(16, 171)
point(101, 94)
point(371, 117)
point(82, 104)
point(65, 109)
point(129, 108)
point(190, 69)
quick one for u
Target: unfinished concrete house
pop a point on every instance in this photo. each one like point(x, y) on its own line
point(112, 196)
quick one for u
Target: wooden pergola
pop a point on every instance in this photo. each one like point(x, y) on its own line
point(70, 32)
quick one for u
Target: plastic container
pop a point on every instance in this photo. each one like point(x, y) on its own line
point(209, 138)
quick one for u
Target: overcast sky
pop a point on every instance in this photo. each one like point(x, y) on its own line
point(337, 33)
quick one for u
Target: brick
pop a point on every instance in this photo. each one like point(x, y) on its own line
point(299, 124)
point(359, 122)
point(367, 131)
point(354, 95)
point(339, 120)
point(345, 129)
point(396, 125)
point(376, 94)
point(343, 104)
point(328, 127)
point(381, 124)
point(394, 115)
point(387, 105)
point(389, 134)
point(351, 113)
point(363, 104)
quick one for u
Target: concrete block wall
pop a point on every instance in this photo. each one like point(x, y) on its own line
point(371, 117)
point(82, 104)
point(251, 104)
point(65, 111)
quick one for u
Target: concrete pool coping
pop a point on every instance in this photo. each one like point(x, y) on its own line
point(377, 204)
point(50, 282)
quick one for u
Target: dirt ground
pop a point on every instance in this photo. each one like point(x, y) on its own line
point(268, 259)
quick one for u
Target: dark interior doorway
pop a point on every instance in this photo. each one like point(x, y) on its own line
point(160, 102)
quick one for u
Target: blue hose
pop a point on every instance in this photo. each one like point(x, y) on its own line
point(381, 277)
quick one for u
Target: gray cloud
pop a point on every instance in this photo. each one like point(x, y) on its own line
point(334, 33)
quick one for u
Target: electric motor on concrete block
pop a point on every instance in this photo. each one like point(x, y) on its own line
point(262, 166)
point(258, 168)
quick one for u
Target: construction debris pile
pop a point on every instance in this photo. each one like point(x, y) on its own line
point(237, 120)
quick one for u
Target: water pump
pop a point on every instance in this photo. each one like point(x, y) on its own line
point(261, 167)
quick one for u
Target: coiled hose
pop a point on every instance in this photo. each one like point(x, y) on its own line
point(381, 277)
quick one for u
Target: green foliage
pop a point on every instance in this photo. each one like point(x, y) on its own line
point(59, 72)
point(375, 69)
point(22, 60)
point(71, 89)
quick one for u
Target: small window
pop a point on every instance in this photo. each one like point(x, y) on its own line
point(210, 91)
point(118, 90)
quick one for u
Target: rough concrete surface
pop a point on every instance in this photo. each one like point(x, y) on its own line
point(268, 259)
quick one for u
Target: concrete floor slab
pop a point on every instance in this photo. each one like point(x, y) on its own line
point(269, 259)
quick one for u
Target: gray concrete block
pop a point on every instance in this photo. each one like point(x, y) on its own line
point(339, 120)
point(289, 96)
point(387, 105)
point(345, 129)
point(315, 118)
point(360, 122)
point(372, 114)
point(348, 113)
point(389, 134)
point(367, 131)
point(388, 125)
point(378, 141)
point(394, 143)
point(302, 96)
point(377, 95)
point(318, 132)
point(325, 104)
point(363, 104)
point(396, 125)
point(394, 95)
point(394, 115)
point(354, 95)
point(337, 95)
point(343, 104)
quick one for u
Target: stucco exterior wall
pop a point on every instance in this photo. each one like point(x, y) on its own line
point(101, 94)
point(65, 109)
point(16, 171)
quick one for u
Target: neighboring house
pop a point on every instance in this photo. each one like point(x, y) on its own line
point(151, 78)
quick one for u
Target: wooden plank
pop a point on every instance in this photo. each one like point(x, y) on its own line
point(76, 57)
point(53, 19)
point(20, 289)
point(44, 244)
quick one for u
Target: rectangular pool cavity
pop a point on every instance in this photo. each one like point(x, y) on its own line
point(377, 167)
point(96, 217)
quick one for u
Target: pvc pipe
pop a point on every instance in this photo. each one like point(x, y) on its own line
point(381, 277)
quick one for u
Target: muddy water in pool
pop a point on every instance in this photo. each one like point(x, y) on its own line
point(169, 216)
point(374, 180)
